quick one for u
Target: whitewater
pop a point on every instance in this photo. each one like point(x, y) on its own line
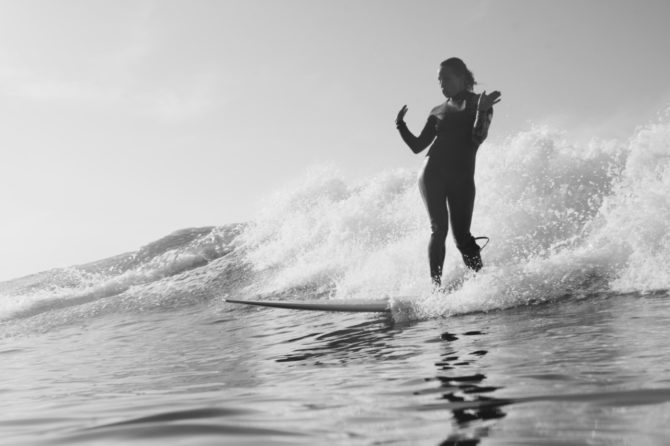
point(559, 339)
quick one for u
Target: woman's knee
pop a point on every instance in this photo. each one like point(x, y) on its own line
point(439, 231)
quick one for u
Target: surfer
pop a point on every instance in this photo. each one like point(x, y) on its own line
point(458, 126)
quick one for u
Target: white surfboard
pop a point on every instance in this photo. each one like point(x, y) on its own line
point(351, 306)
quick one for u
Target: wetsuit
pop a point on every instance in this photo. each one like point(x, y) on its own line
point(456, 128)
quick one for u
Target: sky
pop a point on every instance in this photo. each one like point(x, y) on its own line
point(124, 120)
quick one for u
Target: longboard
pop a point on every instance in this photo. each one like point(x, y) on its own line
point(352, 306)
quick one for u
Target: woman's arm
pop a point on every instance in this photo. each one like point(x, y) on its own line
point(417, 144)
point(482, 123)
point(480, 129)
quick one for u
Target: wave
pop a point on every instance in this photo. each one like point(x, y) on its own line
point(148, 277)
point(564, 218)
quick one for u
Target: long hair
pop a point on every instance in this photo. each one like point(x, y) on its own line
point(459, 67)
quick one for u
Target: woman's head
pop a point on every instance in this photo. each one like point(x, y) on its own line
point(455, 77)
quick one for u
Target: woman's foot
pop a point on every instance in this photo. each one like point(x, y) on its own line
point(473, 261)
point(470, 253)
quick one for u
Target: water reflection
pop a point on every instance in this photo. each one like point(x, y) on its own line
point(463, 390)
point(369, 339)
point(459, 386)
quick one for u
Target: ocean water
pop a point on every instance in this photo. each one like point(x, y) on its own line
point(560, 340)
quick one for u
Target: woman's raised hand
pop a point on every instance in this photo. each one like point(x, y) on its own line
point(486, 101)
point(401, 115)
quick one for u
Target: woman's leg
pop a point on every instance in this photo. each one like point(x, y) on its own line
point(434, 192)
point(461, 199)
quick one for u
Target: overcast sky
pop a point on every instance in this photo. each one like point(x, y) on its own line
point(121, 121)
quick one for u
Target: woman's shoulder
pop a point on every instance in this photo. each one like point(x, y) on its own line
point(447, 107)
point(438, 110)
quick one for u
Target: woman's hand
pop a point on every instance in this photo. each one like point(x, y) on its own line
point(401, 115)
point(486, 101)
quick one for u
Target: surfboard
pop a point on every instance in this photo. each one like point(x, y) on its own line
point(351, 306)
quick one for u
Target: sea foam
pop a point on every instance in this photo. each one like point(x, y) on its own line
point(565, 219)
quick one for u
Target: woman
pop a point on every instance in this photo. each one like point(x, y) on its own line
point(458, 126)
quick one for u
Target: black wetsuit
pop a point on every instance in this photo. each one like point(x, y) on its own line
point(457, 129)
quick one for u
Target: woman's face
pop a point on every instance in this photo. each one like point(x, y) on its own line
point(450, 82)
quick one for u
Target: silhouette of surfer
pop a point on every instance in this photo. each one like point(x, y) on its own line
point(455, 128)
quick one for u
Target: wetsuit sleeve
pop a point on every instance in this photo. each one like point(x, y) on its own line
point(480, 130)
point(417, 144)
